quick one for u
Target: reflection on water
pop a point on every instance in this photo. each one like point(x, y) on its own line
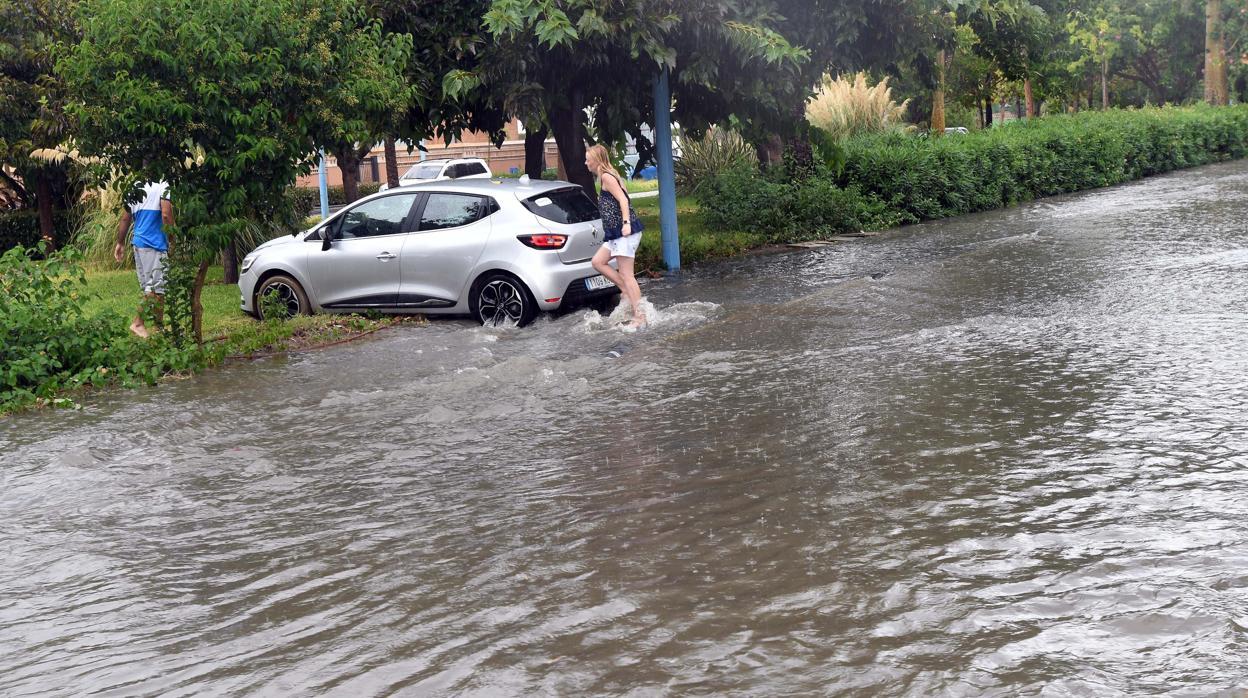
point(1002, 454)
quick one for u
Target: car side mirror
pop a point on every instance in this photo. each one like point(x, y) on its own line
point(327, 240)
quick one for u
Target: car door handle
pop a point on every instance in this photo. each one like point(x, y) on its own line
point(386, 256)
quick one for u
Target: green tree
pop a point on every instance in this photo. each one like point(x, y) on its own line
point(1235, 29)
point(1162, 49)
point(1016, 36)
point(226, 100)
point(556, 58)
point(31, 99)
point(1096, 31)
point(972, 79)
point(451, 39)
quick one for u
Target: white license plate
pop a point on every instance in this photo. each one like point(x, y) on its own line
point(597, 283)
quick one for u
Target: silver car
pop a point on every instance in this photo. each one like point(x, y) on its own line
point(498, 250)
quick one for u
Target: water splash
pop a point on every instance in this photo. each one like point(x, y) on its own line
point(676, 316)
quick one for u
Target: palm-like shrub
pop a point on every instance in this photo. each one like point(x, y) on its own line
point(845, 108)
point(718, 151)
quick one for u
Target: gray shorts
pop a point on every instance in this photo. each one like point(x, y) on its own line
point(150, 265)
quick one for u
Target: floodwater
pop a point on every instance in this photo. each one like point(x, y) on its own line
point(1000, 455)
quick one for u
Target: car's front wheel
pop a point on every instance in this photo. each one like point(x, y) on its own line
point(502, 300)
point(280, 293)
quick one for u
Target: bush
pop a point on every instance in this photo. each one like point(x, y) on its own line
point(743, 200)
point(22, 228)
point(740, 199)
point(307, 200)
point(49, 345)
point(718, 151)
point(888, 179)
point(923, 178)
point(817, 208)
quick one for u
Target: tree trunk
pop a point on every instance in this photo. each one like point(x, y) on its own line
point(988, 114)
point(770, 151)
point(392, 163)
point(43, 197)
point(801, 153)
point(349, 166)
point(1215, 56)
point(197, 308)
point(229, 260)
point(1029, 98)
point(566, 124)
point(938, 97)
point(535, 152)
point(1104, 84)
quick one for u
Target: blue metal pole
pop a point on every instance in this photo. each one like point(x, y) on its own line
point(324, 189)
point(667, 174)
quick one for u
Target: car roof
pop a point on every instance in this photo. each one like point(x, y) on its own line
point(498, 184)
point(491, 187)
point(443, 161)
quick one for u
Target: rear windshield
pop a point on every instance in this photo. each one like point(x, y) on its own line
point(423, 172)
point(563, 206)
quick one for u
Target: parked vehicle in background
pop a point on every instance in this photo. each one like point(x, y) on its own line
point(438, 170)
point(500, 251)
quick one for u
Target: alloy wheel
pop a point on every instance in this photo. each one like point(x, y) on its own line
point(501, 303)
point(286, 295)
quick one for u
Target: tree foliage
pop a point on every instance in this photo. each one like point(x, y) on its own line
point(31, 101)
point(555, 58)
point(229, 102)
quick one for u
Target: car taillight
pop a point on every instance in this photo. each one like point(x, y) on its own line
point(544, 242)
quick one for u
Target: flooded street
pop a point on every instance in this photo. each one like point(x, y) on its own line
point(1005, 454)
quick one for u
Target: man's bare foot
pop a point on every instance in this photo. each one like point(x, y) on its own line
point(139, 329)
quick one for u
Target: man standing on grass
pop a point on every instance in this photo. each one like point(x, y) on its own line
point(151, 247)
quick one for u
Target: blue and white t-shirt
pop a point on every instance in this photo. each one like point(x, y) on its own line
point(148, 230)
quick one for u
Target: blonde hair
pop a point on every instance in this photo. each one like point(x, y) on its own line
point(602, 160)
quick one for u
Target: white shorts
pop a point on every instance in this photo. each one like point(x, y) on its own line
point(149, 264)
point(625, 246)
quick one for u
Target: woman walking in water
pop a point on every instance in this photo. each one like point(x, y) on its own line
point(620, 237)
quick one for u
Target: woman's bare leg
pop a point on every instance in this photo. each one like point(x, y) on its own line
point(601, 263)
point(631, 290)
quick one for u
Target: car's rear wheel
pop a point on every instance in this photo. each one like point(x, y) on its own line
point(500, 300)
point(280, 292)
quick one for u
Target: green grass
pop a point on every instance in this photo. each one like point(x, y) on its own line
point(118, 291)
point(698, 243)
point(228, 331)
point(638, 186)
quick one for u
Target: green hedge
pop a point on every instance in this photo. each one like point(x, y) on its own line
point(22, 228)
point(890, 179)
point(307, 200)
point(923, 179)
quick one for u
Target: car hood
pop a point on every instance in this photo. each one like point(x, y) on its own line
point(279, 241)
